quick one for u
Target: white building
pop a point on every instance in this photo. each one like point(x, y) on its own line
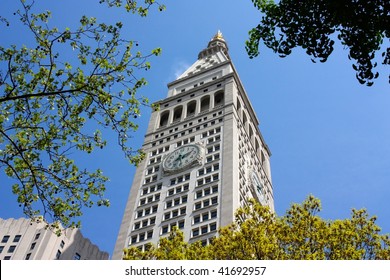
point(24, 239)
point(205, 157)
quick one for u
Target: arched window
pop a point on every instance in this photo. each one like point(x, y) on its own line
point(265, 164)
point(191, 108)
point(250, 133)
point(218, 98)
point(262, 157)
point(257, 147)
point(177, 113)
point(205, 103)
point(164, 117)
point(244, 120)
point(238, 108)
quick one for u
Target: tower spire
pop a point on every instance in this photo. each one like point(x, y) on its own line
point(218, 36)
point(216, 44)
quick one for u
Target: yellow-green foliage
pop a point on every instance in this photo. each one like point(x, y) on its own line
point(300, 234)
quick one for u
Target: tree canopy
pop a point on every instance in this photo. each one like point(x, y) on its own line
point(301, 234)
point(59, 92)
point(362, 26)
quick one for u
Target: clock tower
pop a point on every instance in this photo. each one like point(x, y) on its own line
point(206, 157)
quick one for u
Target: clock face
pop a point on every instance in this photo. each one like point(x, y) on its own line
point(181, 158)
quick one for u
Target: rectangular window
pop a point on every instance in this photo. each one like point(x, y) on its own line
point(77, 257)
point(177, 201)
point(17, 238)
point(62, 244)
point(7, 258)
point(1, 249)
point(11, 249)
point(58, 255)
point(195, 232)
point(28, 256)
point(5, 239)
point(32, 246)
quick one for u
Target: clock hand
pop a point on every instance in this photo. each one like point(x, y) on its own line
point(186, 154)
point(177, 161)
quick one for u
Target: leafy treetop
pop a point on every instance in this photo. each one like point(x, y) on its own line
point(362, 26)
point(55, 99)
point(258, 234)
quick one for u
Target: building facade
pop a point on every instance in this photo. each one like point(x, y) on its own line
point(206, 157)
point(24, 239)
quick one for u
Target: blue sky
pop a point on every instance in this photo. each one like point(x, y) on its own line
point(329, 135)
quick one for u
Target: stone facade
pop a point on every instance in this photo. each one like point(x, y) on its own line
point(206, 106)
point(23, 239)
